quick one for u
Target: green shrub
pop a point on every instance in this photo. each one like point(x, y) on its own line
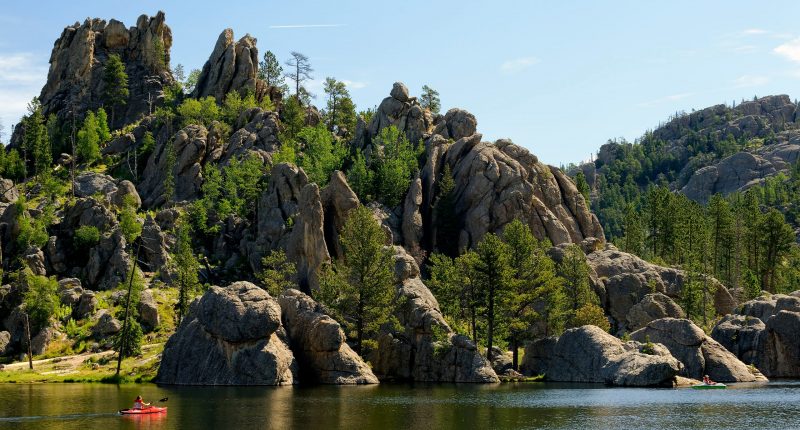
point(86, 236)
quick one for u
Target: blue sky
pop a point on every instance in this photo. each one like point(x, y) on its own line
point(559, 78)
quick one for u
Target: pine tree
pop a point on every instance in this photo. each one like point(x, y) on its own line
point(277, 273)
point(116, 91)
point(36, 141)
point(776, 239)
point(88, 148)
point(339, 114)
point(103, 132)
point(444, 213)
point(186, 268)
point(582, 186)
point(575, 271)
point(493, 279)
point(360, 289)
point(299, 72)
point(430, 99)
point(270, 70)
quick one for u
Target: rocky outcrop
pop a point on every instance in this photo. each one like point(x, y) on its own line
point(338, 199)
point(290, 217)
point(77, 63)
point(700, 354)
point(589, 354)
point(623, 280)
point(106, 325)
point(231, 336)
point(9, 193)
point(319, 343)
point(764, 333)
point(744, 170)
point(193, 146)
point(427, 349)
point(148, 310)
point(231, 67)
point(412, 216)
point(258, 135)
point(5, 343)
point(652, 307)
point(155, 250)
point(497, 183)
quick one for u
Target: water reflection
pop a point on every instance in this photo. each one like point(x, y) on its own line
point(92, 406)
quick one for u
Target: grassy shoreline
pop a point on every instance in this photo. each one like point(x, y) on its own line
point(87, 367)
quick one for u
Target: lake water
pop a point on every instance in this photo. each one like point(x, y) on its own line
point(505, 406)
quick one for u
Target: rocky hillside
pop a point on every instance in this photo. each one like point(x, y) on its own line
point(231, 212)
point(721, 149)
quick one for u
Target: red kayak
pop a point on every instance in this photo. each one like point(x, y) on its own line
point(145, 411)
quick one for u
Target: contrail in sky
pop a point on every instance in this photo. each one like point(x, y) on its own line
point(307, 25)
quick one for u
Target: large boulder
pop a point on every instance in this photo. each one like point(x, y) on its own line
point(700, 354)
point(230, 336)
point(623, 281)
point(764, 333)
point(652, 307)
point(9, 193)
point(106, 325)
point(77, 63)
point(589, 354)
point(426, 349)
point(5, 343)
point(156, 254)
point(232, 66)
point(319, 343)
point(148, 310)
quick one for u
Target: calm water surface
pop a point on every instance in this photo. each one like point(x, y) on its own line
point(506, 406)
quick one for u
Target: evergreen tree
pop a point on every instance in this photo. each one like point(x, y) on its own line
point(293, 118)
point(633, 241)
point(444, 214)
point(322, 154)
point(430, 99)
point(36, 141)
point(277, 273)
point(115, 79)
point(532, 278)
point(575, 271)
point(361, 288)
point(582, 186)
point(103, 132)
point(721, 223)
point(776, 239)
point(169, 170)
point(270, 70)
point(88, 148)
point(299, 72)
point(493, 279)
point(339, 114)
point(186, 268)
point(361, 178)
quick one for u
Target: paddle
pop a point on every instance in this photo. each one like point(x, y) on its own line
point(164, 399)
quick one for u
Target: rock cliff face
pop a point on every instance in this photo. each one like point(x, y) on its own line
point(623, 282)
point(588, 354)
point(233, 66)
point(231, 336)
point(700, 354)
point(75, 79)
point(764, 333)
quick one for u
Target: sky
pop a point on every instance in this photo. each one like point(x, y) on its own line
point(558, 77)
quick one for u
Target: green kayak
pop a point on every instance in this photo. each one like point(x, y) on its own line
point(717, 386)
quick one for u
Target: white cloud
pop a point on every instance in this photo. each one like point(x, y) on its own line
point(754, 32)
point(518, 64)
point(745, 81)
point(307, 26)
point(790, 50)
point(744, 49)
point(354, 85)
point(22, 76)
point(669, 98)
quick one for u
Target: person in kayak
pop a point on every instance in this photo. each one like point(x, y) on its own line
point(708, 381)
point(140, 404)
